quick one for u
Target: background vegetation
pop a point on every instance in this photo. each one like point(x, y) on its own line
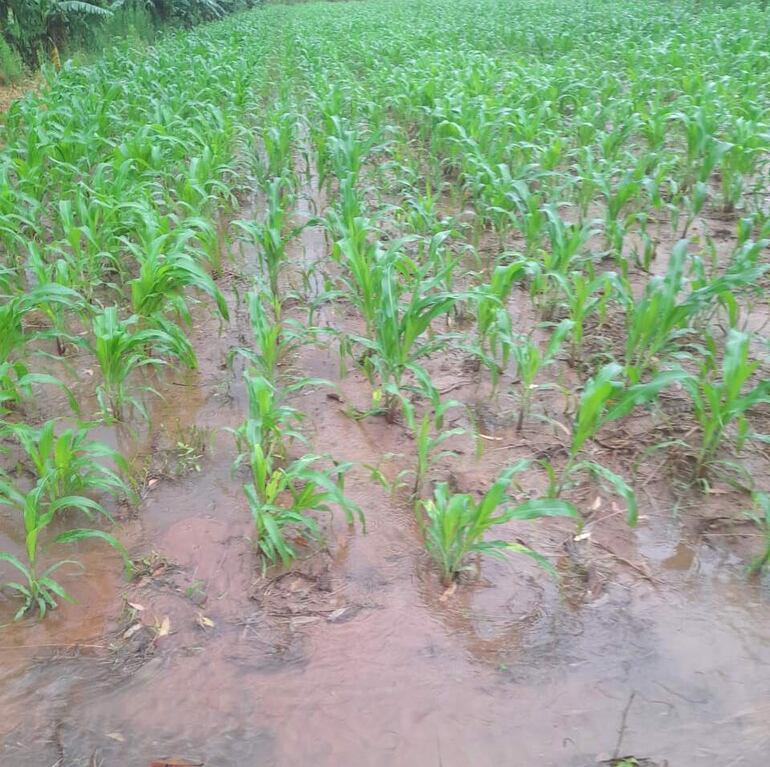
point(31, 31)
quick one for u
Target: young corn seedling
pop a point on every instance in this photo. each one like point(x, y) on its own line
point(435, 252)
point(70, 463)
point(606, 398)
point(121, 350)
point(550, 271)
point(81, 246)
point(163, 279)
point(274, 339)
point(658, 323)
point(430, 435)
point(493, 321)
point(362, 262)
point(455, 525)
point(583, 297)
point(723, 400)
point(272, 235)
point(744, 147)
point(348, 149)
point(56, 311)
point(760, 515)
point(282, 501)
point(421, 211)
point(39, 590)
point(693, 204)
point(398, 341)
point(618, 195)
point(270, 423)
point(347, 219)
point(16, 379)
point(530, 361)
point(278, 142)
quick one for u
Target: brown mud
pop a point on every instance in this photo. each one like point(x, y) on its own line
point(652, 642)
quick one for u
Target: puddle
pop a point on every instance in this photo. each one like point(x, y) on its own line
point(681, 559)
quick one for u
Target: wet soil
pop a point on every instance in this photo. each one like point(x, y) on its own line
point(652, 642)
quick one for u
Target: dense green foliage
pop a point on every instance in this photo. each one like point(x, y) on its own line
point(11, 66)
point(33, 27)
point(572, 196)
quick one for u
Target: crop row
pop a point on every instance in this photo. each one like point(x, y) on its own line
point(466, 171)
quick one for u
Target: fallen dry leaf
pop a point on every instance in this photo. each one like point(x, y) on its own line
point(136, 606)
point(165, 627)
point(131, 630)
point(116, 736)
point(175, 761)
point(204, 622)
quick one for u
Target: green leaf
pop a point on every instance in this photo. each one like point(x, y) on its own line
point(72, 536)
point(618, 485)
point(543, 507)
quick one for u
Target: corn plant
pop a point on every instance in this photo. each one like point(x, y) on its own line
point(348, 148)
point(121, 350)
point(455, 525)
point(274, 337)
point(693, 203)
point(39, 590)
point(493, 321)
point(278, 141)
point(723, 399)
point(14, 309)
point(742, 151)
point(660, 325)
point(283, 499)
point(760, 515)
point(549, 272)
point(584, 296)
point(272, 235)
point(618, 195)
point(530, 360)
point(57, 311)
point(70, 463)
point(270, 422)
point(421, 210)
point(16, 379)
point(363, 263)
point(429, 436)
point(399, 341)
point(163, 280)
point(606, 397)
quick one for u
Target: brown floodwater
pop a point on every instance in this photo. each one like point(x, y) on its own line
point(652, 644)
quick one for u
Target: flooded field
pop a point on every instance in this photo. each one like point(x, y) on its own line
point(636, 633)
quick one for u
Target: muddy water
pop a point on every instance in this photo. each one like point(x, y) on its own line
point(358, 661)
point(654, 644)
